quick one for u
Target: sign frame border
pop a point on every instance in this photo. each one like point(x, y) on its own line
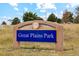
point(59, 29)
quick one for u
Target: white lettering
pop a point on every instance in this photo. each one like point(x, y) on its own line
point(48, 35)
point(23, 35)
point(32, 35)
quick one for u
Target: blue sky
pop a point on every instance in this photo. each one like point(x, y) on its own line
point(9, 11)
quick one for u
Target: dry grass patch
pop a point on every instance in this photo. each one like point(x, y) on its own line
point(71, 43)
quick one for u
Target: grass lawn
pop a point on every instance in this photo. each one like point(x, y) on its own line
point(71, 43)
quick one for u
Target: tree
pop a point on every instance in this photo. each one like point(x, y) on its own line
point(77, 10)
point(15, 21)
point(39, 18)
point(59, 20)
point(76, 20)
point(67, 16)
point(4, 23)
point(52, 18)
point(30, 16)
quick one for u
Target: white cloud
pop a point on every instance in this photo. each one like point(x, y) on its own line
point(60, 15)
point(25, 9)
point(43, 10)
point(72, 5)
point(13, 4)
point(15, 8)
point(46, 6)
point(39, 1)
point(48, 14)
point(6, 19)
point(67, 6)
point(61, 12)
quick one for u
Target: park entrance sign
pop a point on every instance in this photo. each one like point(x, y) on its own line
point(36, 35)
point(39, 31)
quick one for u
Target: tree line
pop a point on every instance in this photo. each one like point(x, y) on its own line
point(68, 17)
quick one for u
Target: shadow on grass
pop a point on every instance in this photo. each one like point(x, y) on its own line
point(25, 48)
point(32, 48)
point(37, 48)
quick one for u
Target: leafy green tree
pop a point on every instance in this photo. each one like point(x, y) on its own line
point(15, 21)
point(67, 16)
point(52, 18)
point(30, 16)
point(39, 18)
point(4, 23)
point(59, 20)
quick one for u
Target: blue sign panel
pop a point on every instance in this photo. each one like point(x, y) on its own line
point(36, 35)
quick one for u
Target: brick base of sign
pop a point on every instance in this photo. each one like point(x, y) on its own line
point(59, 29)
